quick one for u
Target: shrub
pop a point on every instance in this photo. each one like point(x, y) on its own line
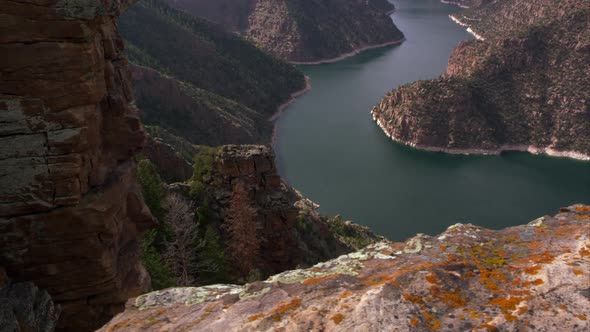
point(203, 167)
point(160, 274)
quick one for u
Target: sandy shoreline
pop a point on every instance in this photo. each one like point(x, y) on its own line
point(349, 54)
point(495, 152)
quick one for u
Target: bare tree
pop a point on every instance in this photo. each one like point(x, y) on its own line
point(242, 227)
point(180, 250)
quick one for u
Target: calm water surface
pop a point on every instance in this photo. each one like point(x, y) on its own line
point(329, 148)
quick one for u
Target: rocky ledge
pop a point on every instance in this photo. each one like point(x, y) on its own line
point(290, 230)
point(530, 277)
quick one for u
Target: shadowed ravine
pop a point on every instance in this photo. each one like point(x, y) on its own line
point(329, 148)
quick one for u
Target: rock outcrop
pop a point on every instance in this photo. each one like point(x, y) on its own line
point(303, 31)
point(290, 230)
point(531, 277)
point(70, 210)
point(524, 85)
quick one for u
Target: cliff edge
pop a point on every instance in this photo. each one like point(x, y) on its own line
point(70, 209)
point(530, 277)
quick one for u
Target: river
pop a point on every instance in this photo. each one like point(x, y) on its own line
point(328, 147)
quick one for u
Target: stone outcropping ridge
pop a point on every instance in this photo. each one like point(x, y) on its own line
point(70, 210)
point(289, 229)
point(523, 87)
point(303, 31)
point(530, 277)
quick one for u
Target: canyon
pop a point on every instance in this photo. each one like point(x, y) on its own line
point(85, 191)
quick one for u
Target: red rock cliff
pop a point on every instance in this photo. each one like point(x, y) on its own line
point(70, 210)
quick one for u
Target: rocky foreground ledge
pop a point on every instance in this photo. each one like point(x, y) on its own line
point(531, 277)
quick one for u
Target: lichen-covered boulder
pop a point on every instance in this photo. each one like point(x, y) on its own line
point(533, 277)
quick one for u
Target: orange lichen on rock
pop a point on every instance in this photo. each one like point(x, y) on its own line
point(577, 272)
point(489, 327)
point(432, 321)
point(412, 298)
point(452, 299)
point(320, 279)
point(294, 304)
point(544, 258)
point(255, 317)
point(345, 295)
point(507, 305)
point(337, 318)
point(431, 278)
point(583, 208)
point(275, 315)
point(533, 269)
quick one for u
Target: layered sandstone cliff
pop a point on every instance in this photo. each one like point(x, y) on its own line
point(70, 210)
point(303, 31)
point(530, 277)
point(523, 86)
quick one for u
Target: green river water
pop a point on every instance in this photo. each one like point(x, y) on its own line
point(328, 147)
